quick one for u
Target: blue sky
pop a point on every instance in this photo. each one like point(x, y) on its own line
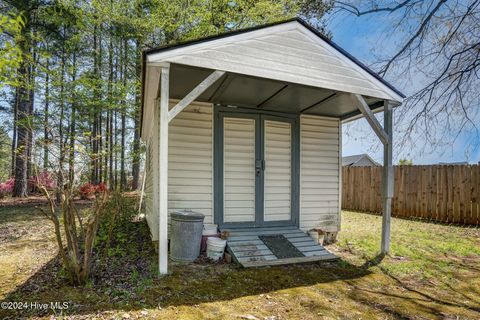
point(364, 37)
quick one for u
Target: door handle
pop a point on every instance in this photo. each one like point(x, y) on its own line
point(259, 167)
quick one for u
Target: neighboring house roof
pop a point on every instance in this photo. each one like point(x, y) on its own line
point(365, 159)
point(459, 163)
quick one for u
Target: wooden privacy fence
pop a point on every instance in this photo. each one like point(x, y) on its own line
point(443, 193)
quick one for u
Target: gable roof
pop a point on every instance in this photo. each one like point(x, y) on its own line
point(288, 64)
point(162, 50)
point(351, 160)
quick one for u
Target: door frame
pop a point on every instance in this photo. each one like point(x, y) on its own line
point(219, 113)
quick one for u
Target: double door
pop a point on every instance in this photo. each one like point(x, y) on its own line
point(255, 170)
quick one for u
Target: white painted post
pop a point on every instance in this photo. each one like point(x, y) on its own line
point(388, 177)
point(163, 171)
point(340, 174)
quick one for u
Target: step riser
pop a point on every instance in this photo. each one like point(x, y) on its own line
point(248, 250)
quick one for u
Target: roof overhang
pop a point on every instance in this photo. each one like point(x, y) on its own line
point(312, 75)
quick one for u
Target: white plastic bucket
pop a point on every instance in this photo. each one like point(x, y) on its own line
point(209, 229)
point(215, 248)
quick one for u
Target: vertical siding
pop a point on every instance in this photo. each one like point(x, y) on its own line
point(190, 165)
point(319, 173)
point(239, 170)
point(278, 139)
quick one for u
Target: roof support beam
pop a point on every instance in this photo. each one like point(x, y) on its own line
point(221, 88)
point(195, 93)
point(368, 114)
point(387, 177)
point(261, 104)
point(318, 103)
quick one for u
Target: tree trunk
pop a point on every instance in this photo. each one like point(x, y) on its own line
point(71, 159)
point(23, 112)
point(31, 106)
point(94, 125)
point(96, 114)
point(123, 176)
point(46, 115)
point(100, 118)
point(61, 158)
point(109, 122)
point(136, 134)
point(14, 133)
point(21, 152)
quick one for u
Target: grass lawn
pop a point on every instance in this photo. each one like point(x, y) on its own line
point(433, 272)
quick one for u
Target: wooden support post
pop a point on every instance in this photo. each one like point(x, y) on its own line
point(163, 171)
point(388, 178)
point(385, 135)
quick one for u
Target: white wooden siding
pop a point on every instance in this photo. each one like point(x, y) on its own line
point(287, 52)
point(277, 183)
point(190, 161)
point(239, 170)
point(319, 173)
point(190, 165)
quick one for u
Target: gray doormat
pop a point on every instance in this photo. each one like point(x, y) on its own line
point(281, 247)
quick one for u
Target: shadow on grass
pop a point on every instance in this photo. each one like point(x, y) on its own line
point(127, 281)
point(24, 213)
point(375, 261)
point(19, 214)
point(420, 298)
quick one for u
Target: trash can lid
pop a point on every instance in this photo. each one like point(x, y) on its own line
point(187, 216)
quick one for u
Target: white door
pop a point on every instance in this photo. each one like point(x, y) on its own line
point(238, 170)
point(278, 170)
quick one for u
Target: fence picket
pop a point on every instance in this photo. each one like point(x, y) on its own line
point(443, 193)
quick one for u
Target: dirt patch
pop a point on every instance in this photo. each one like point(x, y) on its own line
point(34, 200)
point(11, 232)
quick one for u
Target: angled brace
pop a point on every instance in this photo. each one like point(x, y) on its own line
point(195, 93)
point(368, 114)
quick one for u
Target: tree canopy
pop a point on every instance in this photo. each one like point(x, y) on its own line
point(74, 105)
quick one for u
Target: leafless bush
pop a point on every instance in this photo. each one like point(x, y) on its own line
point(79, 232)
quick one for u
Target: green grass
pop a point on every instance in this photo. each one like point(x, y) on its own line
point(433, 272)
point(418, 248)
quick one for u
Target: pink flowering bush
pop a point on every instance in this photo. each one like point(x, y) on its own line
point(7, 187)
point(88, 190)
point(44, 179)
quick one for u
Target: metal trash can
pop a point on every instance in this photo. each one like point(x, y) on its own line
point(186, 235)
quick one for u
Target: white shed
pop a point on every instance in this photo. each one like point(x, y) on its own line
point(245, 127)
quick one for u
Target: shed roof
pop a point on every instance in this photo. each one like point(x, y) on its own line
point(286, 66)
